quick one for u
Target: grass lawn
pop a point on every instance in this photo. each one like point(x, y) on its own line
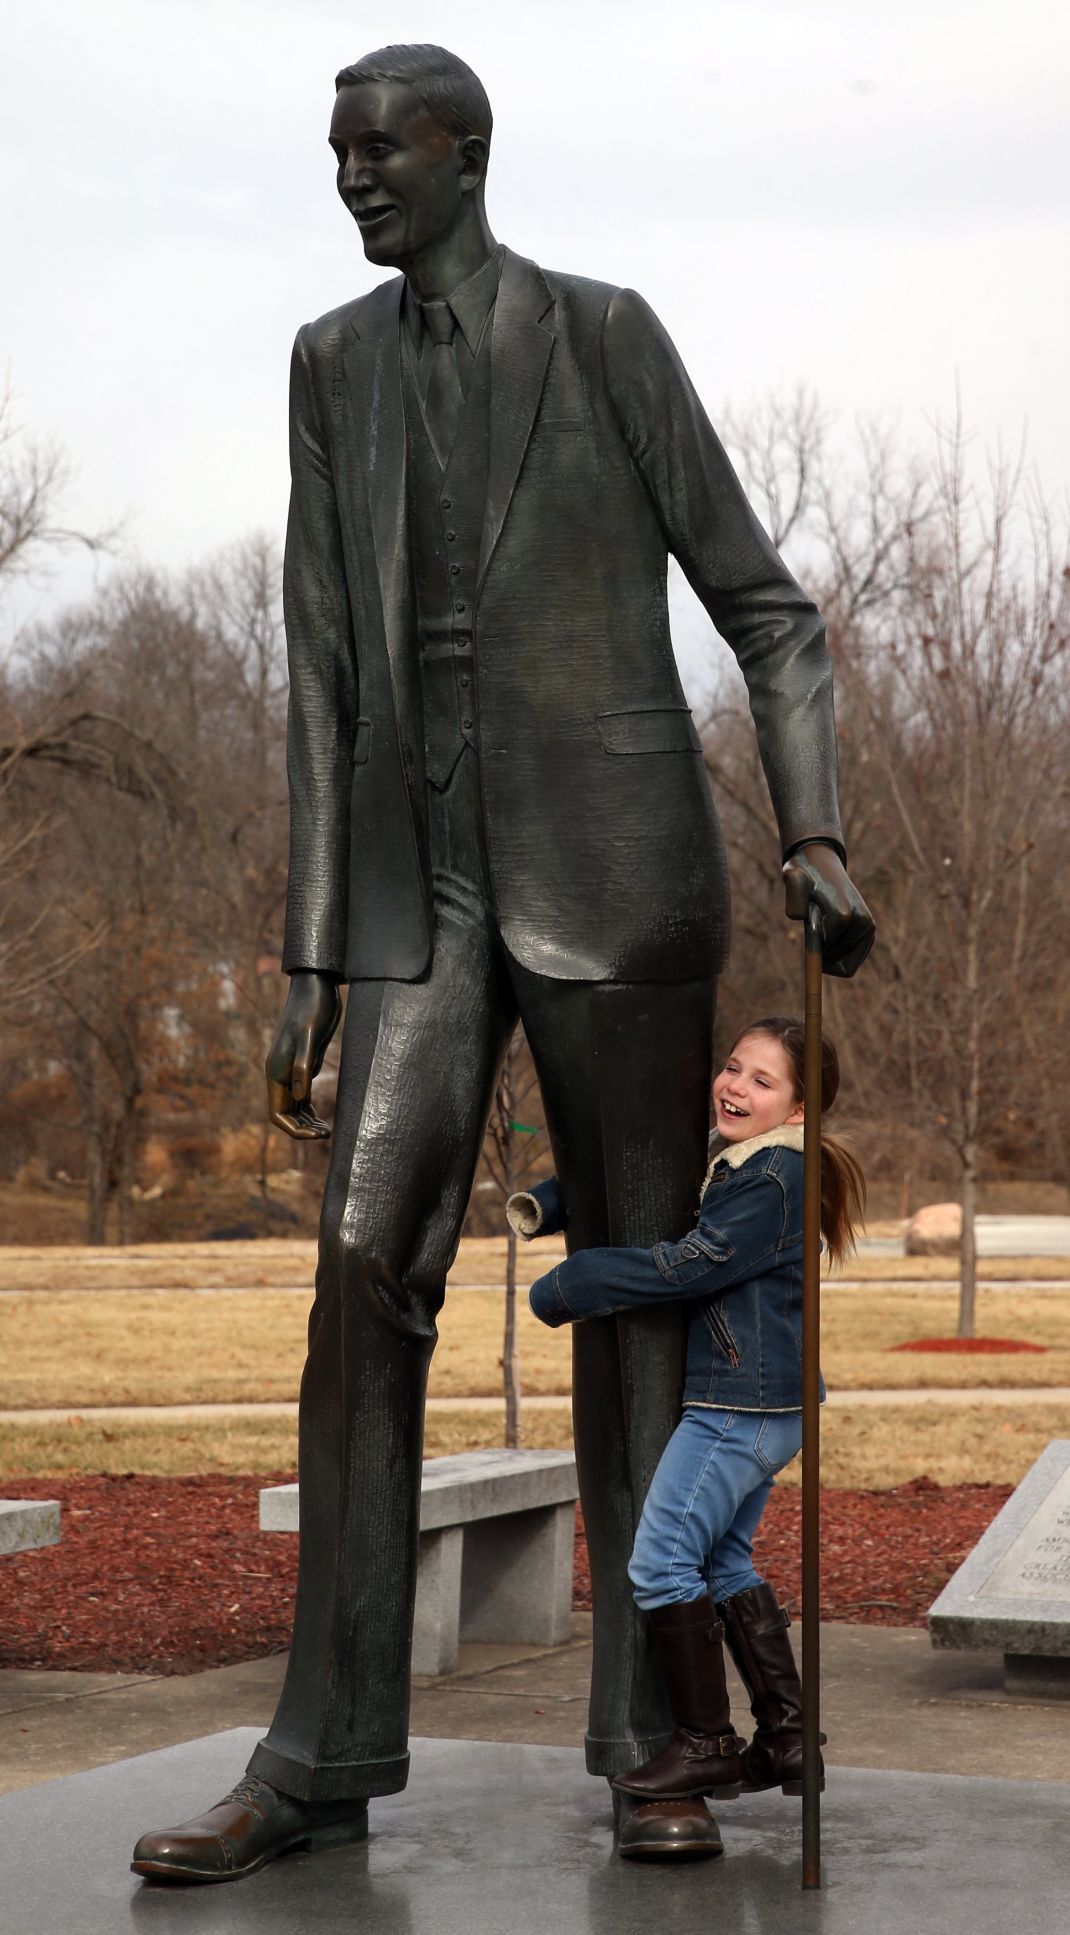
point(287, 1262)
point(108, 1338)
point(862, 1447)
point(240, 1346)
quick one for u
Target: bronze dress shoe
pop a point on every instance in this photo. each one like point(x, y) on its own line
point(664, 1830)
point(247, 1828)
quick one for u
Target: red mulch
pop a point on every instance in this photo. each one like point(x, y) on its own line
point(978, 1344)
point(168, 1575)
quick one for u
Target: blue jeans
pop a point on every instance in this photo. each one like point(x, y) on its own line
point(704, 1503)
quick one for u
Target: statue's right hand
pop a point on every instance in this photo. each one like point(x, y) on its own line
point(311, 1015)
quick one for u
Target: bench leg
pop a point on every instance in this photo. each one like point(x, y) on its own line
point(1045, 1678)
point(438, 1601)
point(516, 1582)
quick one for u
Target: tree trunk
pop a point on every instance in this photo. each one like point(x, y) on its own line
point(510, 1352)
point(968, 1264)
point(126, 1137)
point(971, 1116)
point(98, 1145)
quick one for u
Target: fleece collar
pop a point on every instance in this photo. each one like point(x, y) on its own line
point(737, 1153)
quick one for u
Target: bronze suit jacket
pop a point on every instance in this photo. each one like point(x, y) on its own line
point(602, 843)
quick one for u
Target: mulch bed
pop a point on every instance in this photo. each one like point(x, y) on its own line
point(169, 1575)
point(976, 1345)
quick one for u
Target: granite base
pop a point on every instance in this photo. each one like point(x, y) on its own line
point(491, 1839)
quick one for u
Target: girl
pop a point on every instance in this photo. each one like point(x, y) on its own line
point(739, 1270)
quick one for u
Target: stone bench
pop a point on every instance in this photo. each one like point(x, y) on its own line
point(496, 1538)
point(27, 1523)
point(1013, 1591)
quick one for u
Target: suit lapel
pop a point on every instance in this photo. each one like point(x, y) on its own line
point(520, 351)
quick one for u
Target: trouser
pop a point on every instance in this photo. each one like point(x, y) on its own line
point(702, 1510)
point(624, 1073)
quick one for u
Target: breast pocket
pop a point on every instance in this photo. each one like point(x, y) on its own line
point(663, 729)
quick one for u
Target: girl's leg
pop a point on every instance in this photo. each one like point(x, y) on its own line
point(705, 1484)
point(706, 1473)
point(769, 1440)
point(756, 1625)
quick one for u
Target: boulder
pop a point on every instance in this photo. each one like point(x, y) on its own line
point(936, 1230)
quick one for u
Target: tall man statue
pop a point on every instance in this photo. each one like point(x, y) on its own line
point(499, 808)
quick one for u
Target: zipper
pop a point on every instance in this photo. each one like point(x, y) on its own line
point(721, 1332)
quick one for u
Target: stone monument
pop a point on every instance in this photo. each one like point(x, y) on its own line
point(1014, 1589)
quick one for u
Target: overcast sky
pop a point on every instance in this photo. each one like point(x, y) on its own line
point(869, 199)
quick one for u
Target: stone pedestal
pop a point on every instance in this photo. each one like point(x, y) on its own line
point(506, 1840)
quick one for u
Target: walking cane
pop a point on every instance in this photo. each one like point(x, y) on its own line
point(811, 1408)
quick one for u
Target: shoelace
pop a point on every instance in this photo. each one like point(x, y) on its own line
point(246, 1791)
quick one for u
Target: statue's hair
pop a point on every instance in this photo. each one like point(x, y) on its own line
point(446, 85)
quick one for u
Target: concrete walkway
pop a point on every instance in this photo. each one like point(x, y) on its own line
point(889, 1702)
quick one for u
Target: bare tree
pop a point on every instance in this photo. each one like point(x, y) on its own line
point(948, 612)
point(511, 1152)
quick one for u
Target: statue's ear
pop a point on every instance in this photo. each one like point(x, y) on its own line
point(475, 153)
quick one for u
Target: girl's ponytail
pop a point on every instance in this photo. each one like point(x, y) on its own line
point(843, 1198)
point(843, 1186)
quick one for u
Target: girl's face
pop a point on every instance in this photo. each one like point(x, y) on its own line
point(755, 1090)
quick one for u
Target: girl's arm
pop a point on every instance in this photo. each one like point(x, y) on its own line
point(750, 1231)
point(539, 1211)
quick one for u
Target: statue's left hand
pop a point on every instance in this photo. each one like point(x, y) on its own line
point(816, 873)
point(311, 1015)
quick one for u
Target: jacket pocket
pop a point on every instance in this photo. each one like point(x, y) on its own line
point(689, 1261)
point(721, 1332)
point(668, 729)
point(362, 742)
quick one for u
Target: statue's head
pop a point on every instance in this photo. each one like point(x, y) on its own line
point(411, 131)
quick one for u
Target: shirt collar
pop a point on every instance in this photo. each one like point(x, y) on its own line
point(471, 302)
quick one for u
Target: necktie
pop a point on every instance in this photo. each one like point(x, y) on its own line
point(444, 397)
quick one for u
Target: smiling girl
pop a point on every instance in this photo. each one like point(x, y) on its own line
point(740, 1272)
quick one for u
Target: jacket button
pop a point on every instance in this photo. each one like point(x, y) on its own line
point(451, 537)
point(455, 570)
point(467, 724)
point(465, 680)
point(460, 605)
point(446, 502)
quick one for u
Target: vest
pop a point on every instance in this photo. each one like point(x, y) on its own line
point(445, 526)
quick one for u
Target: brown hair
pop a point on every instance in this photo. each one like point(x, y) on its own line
point(843, 1185)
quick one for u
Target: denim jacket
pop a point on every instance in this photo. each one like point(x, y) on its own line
point(740, 1270)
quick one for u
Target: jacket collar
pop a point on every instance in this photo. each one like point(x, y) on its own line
point(735, 1154)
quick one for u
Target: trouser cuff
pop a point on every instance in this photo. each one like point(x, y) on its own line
point(610, 1757)
point(352, 1780)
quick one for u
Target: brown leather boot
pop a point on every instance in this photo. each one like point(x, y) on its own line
point(248, 1827)
point(756, 1630)
point(703, 1756)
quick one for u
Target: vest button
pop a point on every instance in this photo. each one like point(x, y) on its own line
point(460, 605)
point(446, 502)
point(455, 570)
point(451, 537)
point(467, 724)
point(465, 680)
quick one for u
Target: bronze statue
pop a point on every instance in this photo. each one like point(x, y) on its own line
point(499, 807)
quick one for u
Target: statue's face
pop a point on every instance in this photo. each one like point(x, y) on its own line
point(401, 174)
